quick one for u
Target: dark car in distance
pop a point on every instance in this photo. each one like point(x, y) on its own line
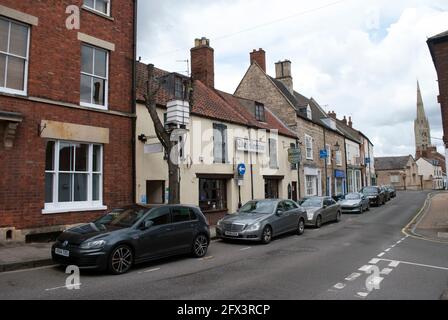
point(375, 194)
point(132, 235)
point(392, 191)
point(386, 193)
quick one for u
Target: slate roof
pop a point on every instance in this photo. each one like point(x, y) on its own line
point(211, 103)
point(391, 163)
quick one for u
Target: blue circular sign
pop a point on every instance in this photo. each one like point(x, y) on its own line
point(242, 169)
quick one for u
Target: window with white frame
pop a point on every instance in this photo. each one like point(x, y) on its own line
point(73, 175)
point(102, 6)
point(395, 179)
point(309, 147)
point(327, 146)
point(14, 55)
point(94, 77)
point(311, 185)
point(273, 163)
point(309, 114)
point(339, 158)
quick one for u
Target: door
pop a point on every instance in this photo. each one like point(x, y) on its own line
point(294, 191)
point(328, 211)
point(157, 240)
point(184, 222)
point(155, 192)
point(291, 215)
point(278, 221)
point(271, 188)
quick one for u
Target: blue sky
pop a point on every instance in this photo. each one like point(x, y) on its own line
point(358, 58)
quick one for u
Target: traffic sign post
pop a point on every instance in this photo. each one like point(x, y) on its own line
point(323, 154)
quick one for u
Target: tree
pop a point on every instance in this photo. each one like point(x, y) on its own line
point(153, 86)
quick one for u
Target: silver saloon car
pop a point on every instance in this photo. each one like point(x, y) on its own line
point(354, 202)
point(321, 210)
point(261, 220)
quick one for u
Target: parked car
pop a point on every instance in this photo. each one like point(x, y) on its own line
point(386, 193)
point(321, 210)
point(261, 220)
point(132, 235)
point(354, 202)
point(338, 197)
point(375, 195)
point(303, 200)
point(392, 191)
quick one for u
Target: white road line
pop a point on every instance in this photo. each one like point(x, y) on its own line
point(374, 261)
point(387, 250)
point(150, 270)
point(375, 281)
point(386, 271)
point(365, 268)
point(394, 246)
point(353, 276)
point(244, 249)
point(418, 264)
point(339, 286)
point(363, 294)
point(394, 264)
point(65, 287)
point(381, 254)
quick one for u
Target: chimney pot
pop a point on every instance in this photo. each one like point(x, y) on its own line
point(350, 122)
point(259, 57)
point(344, 120)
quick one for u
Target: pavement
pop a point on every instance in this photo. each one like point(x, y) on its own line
point(17, 256)
point(433, 222)
point(364, 257)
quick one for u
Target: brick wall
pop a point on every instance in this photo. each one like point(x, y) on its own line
point(54, 74)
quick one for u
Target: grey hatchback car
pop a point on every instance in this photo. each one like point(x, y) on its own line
point(261, 220)
point(133, 234)
point(321, 210)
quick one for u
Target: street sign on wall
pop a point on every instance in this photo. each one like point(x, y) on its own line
point(294, 155)
point(323, 154)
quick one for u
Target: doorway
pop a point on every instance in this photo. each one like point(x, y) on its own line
point(155, 192)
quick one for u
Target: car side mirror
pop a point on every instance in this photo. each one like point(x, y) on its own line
point(148, 224)
point(280, 212)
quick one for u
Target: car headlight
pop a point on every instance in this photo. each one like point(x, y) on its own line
point(310, 216)
point(97, 244)
point(219, 224)
point(254, 227)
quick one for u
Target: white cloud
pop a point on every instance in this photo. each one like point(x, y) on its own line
point(361, 58)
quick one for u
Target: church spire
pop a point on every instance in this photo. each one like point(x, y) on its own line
point(421, 127)
point(420, 107)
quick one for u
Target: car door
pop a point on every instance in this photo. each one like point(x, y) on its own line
point(277, 219)
point(157, 239)
point(292, 211)
point(328, 210)
point(184, 222)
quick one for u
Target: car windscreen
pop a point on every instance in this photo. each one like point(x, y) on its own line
point(353, 196)
point(263, 207)
point(312, 203)
point(370, 190)
point(123, 218)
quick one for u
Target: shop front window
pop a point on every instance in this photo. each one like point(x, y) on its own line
point(212, 194)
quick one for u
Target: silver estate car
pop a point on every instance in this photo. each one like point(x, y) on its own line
point(261, 220)
point(321, 210)
point(355, 202)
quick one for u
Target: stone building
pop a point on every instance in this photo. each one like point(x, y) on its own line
point(400, 172)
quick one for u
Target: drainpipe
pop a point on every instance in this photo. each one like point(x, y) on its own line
point(251, 170)
point(346, 167)
point(325, 166)
point(298, 174)
point(134, 106)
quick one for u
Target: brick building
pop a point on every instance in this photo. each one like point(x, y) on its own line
point(400, 172)
point(438, 45)
point(66, 112)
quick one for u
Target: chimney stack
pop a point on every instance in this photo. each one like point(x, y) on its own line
point(332, 114)
point(259, 57)
point(350, 122)
point(283, 74)
point(344, 121)
point(203, 62)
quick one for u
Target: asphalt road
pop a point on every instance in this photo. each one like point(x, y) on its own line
point(362, 257)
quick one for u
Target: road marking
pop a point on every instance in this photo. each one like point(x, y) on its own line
point(71, 286)
point(374, 261)
point(386, 271)
point(363, 294)
point(375, 281)
point(417, 264)
point(244, 249)
point(381, 254)
point(365, 268)
point(339, 286)
point(387, 250)
point(353, 276)
point(394, 264)
point(150, 270)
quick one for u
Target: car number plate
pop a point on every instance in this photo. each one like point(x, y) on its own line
point(232, 234)
point(61, 252)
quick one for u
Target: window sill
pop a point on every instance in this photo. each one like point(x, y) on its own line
point(73, 209)
point(93, 106)
point(98, 13)
point(13, 92)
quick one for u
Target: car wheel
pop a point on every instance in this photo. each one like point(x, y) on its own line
point(121, 259)
point(266, 235)
point(200, 246)
point(338, 216)
point(318, 222)
point(301, 227)
point(368, 207)
point(361, 209)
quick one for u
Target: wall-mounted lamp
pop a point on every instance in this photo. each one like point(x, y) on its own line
point(142, 138)
point(337, 147)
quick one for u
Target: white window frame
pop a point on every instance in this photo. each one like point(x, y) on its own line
point(339, 158)
point(310, 185)
point(273, 156)
point(309, 145)
point(309, 114)
point(328, 148)
point(25, 73)
point(106, 79)
point(93, 9)
point(73, 206)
